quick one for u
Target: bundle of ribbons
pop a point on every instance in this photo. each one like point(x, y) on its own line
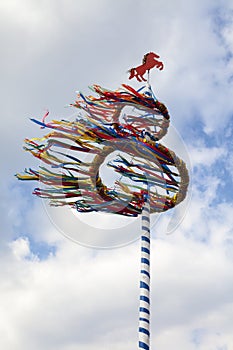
point(118, 130)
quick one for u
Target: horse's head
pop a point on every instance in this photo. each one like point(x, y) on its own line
point(149, 56)
point(150, 60)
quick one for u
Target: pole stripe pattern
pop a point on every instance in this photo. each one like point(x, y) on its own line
point(144, 303)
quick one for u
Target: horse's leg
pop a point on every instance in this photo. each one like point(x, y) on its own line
point(137, 75)
point(159, 65)
point(141, 71)
point(143, 77)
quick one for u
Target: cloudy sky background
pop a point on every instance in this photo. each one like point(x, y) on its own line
point(56, 294)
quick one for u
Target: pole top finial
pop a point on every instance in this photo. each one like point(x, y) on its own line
point(149, 61)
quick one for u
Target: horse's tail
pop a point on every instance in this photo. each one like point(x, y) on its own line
point(132, 73)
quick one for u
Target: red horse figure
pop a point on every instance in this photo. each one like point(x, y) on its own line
point(149, 61)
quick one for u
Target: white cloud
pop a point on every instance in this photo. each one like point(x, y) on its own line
point(21, 248)
point(78, 297)
point(206, 156)
point(84, 298)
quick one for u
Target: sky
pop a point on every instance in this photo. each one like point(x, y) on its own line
point(59, 294)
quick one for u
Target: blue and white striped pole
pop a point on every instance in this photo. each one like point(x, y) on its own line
point(144, 306)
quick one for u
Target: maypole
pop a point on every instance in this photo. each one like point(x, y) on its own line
point(144, 304)
point(102, 127)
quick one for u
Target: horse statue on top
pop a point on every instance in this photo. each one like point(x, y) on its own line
point(149, 61)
